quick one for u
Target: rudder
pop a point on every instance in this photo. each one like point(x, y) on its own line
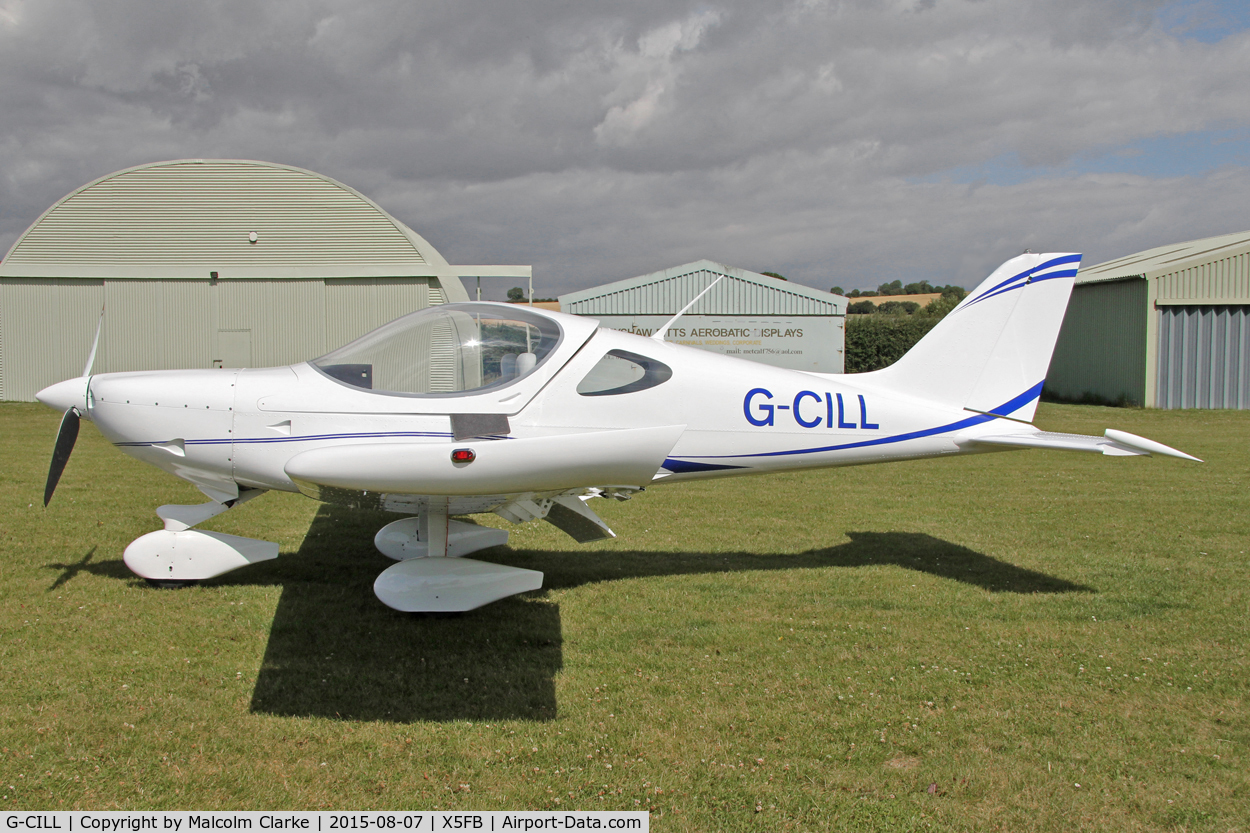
point(990, 354)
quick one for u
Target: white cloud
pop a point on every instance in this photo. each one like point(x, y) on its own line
point(654, 69)
point(11, 12)
point(810, 138)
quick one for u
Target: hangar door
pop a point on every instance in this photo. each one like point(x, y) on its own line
point(1204, 357)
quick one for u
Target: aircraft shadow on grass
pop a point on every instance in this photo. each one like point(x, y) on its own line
point(334, 651)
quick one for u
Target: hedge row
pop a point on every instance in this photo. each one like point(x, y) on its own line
point(875, 341)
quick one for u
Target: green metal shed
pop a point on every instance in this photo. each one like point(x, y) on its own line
point(209, 263)
point(746, 314)
point(1166, 328)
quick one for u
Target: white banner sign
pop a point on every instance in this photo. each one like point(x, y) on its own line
point(808, 342)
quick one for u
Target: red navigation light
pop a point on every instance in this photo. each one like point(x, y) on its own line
point(463, 455)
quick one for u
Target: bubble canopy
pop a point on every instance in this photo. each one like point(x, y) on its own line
point(446, 350)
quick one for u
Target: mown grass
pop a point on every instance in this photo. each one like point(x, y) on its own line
point(945, 645)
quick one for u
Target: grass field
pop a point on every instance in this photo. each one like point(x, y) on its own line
point(1020, 641)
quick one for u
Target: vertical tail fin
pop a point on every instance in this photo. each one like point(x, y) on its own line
point(990, 354)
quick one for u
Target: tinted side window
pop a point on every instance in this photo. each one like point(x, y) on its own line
point(623, 372)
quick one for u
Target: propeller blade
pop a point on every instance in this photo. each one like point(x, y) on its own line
point(86, 371)
point(65, 439)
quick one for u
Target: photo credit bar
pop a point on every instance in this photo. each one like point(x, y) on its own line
point(418, 821)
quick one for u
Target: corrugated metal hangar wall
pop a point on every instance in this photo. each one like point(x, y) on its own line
point(208, 263)
point(1164, 328)
point(747, 315)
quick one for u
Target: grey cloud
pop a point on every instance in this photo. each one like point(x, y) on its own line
point(605, 139)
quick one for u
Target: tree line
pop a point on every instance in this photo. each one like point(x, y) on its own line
point(878, 335)
point(950, 296)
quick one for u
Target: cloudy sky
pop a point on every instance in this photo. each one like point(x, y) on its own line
point(842, 142)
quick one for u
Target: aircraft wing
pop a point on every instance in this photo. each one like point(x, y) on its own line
point(1113, 443)
point(628, 457)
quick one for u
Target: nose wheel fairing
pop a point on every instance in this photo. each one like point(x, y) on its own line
point(193, 555)
point(180, 554)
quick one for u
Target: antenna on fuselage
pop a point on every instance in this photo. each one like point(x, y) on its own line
point(86, 371)
point(658, 335)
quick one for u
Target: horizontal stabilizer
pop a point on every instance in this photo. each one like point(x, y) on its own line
point(1115, 443)
point(1141, 444)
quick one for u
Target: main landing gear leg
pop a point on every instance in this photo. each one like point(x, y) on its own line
point(432, 575)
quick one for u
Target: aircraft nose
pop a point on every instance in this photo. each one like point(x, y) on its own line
point(72, 393)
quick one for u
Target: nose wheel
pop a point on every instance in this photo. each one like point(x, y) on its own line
point(170, 584)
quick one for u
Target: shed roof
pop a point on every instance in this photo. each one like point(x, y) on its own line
point(1167, 259)
point(185, 218)
point(740, 292)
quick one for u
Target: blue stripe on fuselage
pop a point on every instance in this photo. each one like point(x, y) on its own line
point(311, 438)
point(1007, 407)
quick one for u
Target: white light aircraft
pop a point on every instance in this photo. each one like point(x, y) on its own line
point(470, 408)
